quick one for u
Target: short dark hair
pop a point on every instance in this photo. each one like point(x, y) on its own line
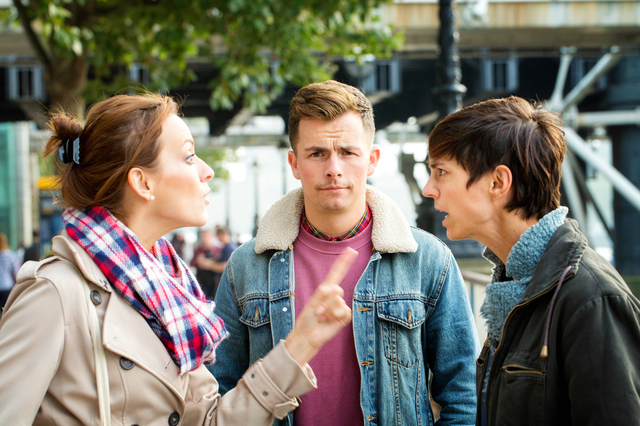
point(328, 100)
point(512, 132)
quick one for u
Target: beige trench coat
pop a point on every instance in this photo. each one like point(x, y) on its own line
point(47, 372)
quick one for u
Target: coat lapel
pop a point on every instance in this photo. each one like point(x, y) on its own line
point(124, 331)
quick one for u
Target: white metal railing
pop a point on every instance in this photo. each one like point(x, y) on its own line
point(476, 284)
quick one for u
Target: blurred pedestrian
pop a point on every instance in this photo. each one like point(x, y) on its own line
point(178, 242)
point(217, 263)
point(34, 251)
point(207, 248)
point(8, 269)
point(228, 247)
point(114, 325)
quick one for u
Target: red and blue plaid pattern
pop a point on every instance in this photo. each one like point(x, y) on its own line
point(362, 224)
point(157, 283)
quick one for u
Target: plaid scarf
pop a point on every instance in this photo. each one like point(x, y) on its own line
point(157, 283)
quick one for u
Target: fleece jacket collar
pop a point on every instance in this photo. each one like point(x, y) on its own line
point(390, 233)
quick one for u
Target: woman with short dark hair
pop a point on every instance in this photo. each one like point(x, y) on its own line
point(563, 326)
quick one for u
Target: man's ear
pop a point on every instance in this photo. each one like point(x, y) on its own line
point(139, 181)
point(502, 181)
point(374, 157)
point(293, 162)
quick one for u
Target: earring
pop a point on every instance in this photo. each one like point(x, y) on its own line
point(152, 198)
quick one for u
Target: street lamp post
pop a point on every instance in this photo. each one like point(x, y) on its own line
point(228, 203)
point(449, 89)
point(283, 148)
point(256, 219)
point(449, 92)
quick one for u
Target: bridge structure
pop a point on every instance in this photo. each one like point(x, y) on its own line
point(580, 57)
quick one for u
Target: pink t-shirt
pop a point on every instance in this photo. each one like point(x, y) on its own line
point(337, 399)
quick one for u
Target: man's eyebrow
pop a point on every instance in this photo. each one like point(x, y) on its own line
point(434, 163)
point(323, 148)
point(349, 147)
point(316, 148)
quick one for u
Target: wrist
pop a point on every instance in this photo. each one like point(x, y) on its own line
point(299, 348)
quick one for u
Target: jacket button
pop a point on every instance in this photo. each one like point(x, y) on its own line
point(174, 419)
point(127, 364)
point(95, 297)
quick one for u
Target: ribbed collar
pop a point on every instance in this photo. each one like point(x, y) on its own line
point(502, 296)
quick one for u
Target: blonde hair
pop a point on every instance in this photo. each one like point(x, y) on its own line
point(328, 100)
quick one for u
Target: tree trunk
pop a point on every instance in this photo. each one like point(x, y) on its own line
point(65, 80)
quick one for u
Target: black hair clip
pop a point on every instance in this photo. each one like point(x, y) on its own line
point(70, 151)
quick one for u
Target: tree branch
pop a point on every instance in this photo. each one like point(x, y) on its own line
point(45, 57)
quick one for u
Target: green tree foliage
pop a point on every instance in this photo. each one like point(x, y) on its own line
point(87, 46)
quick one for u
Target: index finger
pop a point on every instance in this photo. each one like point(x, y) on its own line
point(341, 266)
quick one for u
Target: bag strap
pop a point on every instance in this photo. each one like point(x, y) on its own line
point(102, 375)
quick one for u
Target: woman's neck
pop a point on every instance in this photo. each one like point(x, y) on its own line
point(144, 226)
point(503, 237)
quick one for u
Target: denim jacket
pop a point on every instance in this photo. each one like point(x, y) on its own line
point(412, 322)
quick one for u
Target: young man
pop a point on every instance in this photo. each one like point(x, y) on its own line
point(413, 332)
point(563, 327)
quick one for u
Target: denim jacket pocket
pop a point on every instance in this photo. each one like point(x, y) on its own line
point(400, 322)
point(255, 312)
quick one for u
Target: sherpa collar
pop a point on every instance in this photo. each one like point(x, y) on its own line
point(390, 233)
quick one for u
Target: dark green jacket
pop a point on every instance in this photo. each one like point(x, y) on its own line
point(592, 373)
